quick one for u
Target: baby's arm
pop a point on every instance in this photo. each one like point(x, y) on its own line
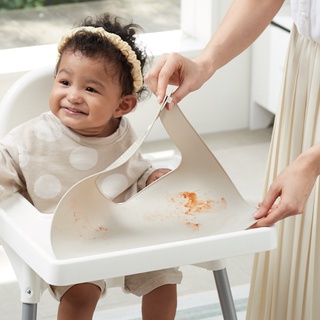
point(11, 178)
point(156, 174)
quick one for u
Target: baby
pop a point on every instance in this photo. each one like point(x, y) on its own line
point(98, 80)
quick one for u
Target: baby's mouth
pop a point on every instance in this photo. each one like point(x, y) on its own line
point(73, 111)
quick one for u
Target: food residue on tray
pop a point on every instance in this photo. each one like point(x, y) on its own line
point(187, 206)
point(192, 204)
point(193, 225)
point(99, 228)
point(86, 229)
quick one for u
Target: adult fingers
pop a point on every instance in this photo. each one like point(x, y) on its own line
point(166, 71)
point(270, 219)
point(182, 91)
point(280, 212)
point(265, 206)
point(151, 78)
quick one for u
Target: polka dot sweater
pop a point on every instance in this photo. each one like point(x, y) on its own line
point(42, 159)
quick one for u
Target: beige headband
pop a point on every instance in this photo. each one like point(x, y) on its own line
point(117, 42)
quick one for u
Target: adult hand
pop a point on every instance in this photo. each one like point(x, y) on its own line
point(175, 69)
point(244, 21)
point(291, 189)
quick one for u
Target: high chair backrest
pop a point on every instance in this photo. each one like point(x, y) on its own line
point(27, 98)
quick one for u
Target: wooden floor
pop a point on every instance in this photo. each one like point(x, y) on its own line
point(44, 25)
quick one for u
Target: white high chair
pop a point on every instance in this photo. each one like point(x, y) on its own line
point(165, 230)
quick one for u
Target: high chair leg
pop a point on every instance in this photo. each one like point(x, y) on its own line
point(31, 285)
point(225, 294)
point(29, 311)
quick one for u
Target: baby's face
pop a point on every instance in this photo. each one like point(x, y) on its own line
point(86, 98)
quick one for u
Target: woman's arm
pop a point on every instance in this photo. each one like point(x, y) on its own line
point(242, 24)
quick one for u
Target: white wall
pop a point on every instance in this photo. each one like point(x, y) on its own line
point(222, 104)
point(268, 63)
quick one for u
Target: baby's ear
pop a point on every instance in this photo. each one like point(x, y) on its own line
point(126, 105)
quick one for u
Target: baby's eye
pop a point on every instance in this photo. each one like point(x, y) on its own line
point(91, 89)
point(64, 82)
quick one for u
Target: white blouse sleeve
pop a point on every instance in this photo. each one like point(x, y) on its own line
point(306, 16)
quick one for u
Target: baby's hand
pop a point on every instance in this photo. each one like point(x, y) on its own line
point(156, 174)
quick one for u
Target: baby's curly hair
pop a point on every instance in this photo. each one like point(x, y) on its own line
point(94, 45)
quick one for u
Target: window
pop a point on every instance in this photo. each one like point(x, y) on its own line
point(44, 24)
point(29, 35)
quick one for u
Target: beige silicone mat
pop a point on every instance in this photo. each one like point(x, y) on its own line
point(197, 199)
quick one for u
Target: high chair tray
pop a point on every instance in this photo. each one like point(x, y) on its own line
point(27, 233)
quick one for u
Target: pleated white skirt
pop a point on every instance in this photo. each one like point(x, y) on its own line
point(286, 282)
